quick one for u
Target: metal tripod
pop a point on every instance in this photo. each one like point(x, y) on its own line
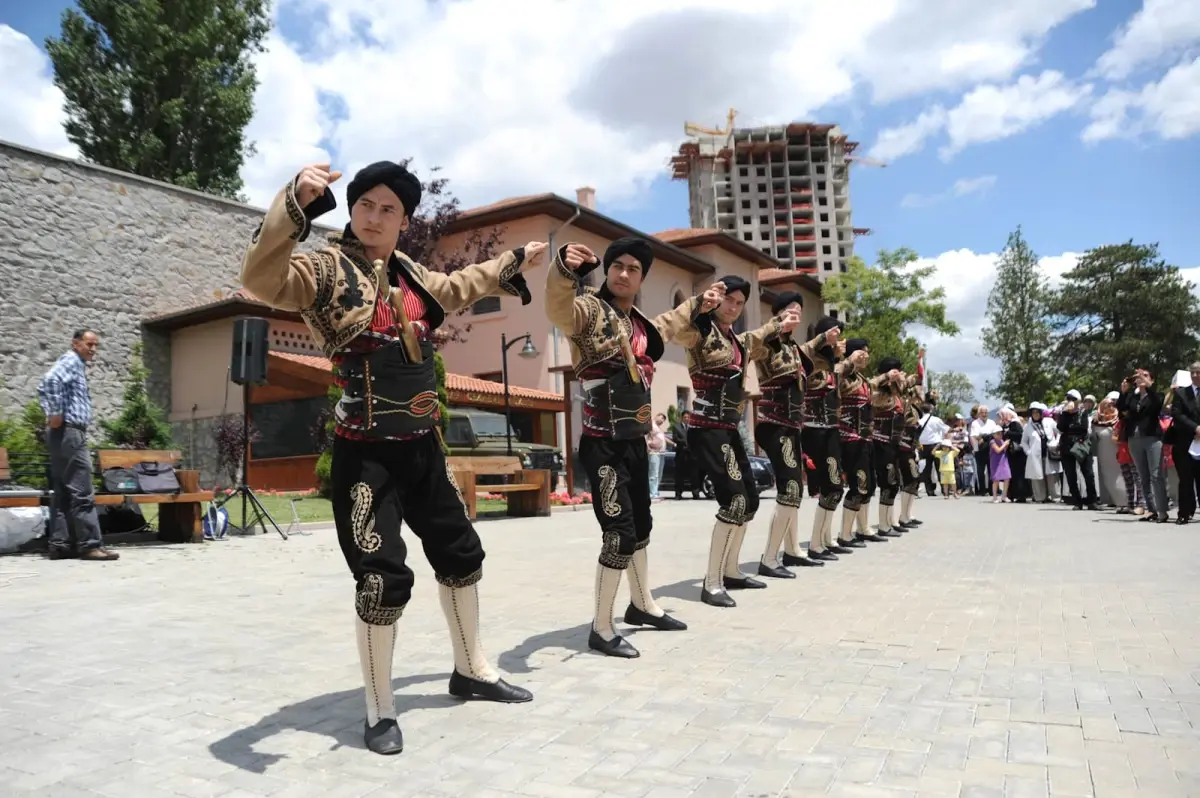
point(260, 515)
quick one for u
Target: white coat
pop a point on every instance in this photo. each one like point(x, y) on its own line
point(1031, 442)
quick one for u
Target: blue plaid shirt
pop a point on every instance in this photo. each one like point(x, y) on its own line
point(64, 391)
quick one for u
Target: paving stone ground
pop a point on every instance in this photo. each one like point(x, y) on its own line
point(1006, 651)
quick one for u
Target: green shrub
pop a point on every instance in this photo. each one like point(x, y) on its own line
point(141, 423)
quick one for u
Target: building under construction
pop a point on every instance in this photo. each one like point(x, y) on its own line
point(783, 188)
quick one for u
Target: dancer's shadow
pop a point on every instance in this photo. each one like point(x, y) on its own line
point(684, 590)
point(574, 640)
point(323, 714)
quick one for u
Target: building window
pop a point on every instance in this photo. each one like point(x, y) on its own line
point(678, 298)
point(820, 185)
point(825, 249)
point(747, 236)
point(762, 203)
point(824, 216)
point(491, 376)
point(833, 314)
point(763, 219)
point(745, 220)
point(489, 304)
point(822, 201)
point(744, 172)
point(828, 266)
point(762, 173)
point(285, 429)
point(825, 233)
point(682, 395)
point(745, 204)
point(745, 188)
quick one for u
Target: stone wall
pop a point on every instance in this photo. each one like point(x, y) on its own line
point(86, 246)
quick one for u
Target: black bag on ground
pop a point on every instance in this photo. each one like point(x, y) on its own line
point(156, 478)
point(116, 519)
point(119, 480)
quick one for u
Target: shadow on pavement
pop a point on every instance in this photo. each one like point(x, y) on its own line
point(327, 714)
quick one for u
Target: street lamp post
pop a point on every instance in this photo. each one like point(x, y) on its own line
point(528, 352)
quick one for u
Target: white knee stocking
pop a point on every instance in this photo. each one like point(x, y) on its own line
point(864, 520)
point(779, 527)
point(817, 544)
point(791, 542)
point(376, 645)
point(639, 585)
point(848, 518)
point(608, 582)
point(461, 606)
point(906, 500)
point(733, 557)
point(827, 529)
point(718, 550)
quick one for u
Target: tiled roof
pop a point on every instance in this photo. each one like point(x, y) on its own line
point(504, 203)
point(777, 276)
point(685, 233)
point(199, 304)
point(454, 382)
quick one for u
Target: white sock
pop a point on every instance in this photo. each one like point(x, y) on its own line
point(376, 644)
point(608, 582)
point(461, 606)
point(779, 527)
point(733, 557)
point(827, 529)
point(817, 544)
point(884, 513)
point(864, 520)
point(791, 543)
point(718, 550)
point(906, 499)
point(639, 585)
point(848, 518)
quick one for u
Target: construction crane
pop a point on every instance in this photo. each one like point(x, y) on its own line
point(864, 161)
point(692, 129)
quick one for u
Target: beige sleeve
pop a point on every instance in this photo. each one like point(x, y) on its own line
point(467, 286)
point(564, 307)
point(755, 341)
point(679, 324)
point(270, 269)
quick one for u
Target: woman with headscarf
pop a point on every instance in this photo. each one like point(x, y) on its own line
point(1110, 484)
point(373, 311)
point(1018, 486)
point(1040, 442)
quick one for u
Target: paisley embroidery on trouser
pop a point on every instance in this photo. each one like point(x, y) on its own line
point(788, 450)
point(608, 491)
point(362, 520)
point(368, 603)
point(862, 481)
point(454, 482)
point(731, 463)
point(791, 494)
point(891, 473)
point(835, 471)
point(735, 513)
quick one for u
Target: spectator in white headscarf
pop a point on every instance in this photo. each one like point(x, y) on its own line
point(1040, 442)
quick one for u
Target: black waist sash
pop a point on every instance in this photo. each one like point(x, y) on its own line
point(393, 397)
point(724, 402)
point(620, 405)
point(787, 400)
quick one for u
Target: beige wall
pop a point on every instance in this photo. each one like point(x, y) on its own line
point(200, 372)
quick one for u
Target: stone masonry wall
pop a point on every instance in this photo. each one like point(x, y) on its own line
point(86, 246)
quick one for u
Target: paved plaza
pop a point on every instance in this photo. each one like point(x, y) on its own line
point(1014, 651)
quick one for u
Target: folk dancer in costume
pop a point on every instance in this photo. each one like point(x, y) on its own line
point(372, 310)
point(888, 419)
point(909, 455)
point(614, 348)
point(855, 429)
point(780, 419)
point(717, 361)
point(822, 442)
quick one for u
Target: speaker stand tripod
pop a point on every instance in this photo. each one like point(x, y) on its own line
point(260, 516)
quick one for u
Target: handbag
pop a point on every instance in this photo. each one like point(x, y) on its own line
point(156, 478)
point(119, 480)
point(1081, 450)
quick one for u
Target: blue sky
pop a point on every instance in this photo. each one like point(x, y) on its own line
point(1068, 196)
point(1078, 120)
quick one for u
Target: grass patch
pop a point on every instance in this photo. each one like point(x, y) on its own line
point(311, 509)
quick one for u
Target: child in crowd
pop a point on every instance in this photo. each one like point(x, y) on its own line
point(946, 454)
point(998, 463)
point(966, 471)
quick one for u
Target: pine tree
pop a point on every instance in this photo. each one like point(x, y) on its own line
point(142, 424)
point(1018, 330)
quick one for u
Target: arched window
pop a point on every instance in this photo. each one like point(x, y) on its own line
point(678, 299)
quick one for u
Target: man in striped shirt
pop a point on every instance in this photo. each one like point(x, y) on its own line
point(63, 394)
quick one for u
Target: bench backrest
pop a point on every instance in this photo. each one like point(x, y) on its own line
point(128, 458)
point(5, 473)
point(487, 465)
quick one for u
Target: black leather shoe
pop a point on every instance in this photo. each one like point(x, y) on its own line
point(854, 544)
point(665, 623)
point(894, 532)
point(61, 553)
point(1181, 520)
point(774, 572)
point(873, 538)
point(913, 522)
point(743, 583)
point(716, 599)
point(384, 737)
point(792, 561)
point(822, 555)
point(840, 549)
point(500, 691)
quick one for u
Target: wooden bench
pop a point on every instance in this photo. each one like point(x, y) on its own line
point(178, 513)
point(528, 496)
point(23, 498)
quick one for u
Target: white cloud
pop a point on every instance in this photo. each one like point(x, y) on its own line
point(986, 113)
point(1161, 30)
point(962, 187)
point(559, 94)
point(33, 106)
point(1169, 108)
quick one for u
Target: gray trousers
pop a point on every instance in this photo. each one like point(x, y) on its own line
point(1147, 456)
point(74, 503)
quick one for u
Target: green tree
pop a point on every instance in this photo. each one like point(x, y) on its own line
point(1018, 331)
point(24, 436)
point(954, 389)
point(141, 424)
point(1123, 307)
point(886, 300)
point(162, 88)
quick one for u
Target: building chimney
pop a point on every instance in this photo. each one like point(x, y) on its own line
point(586, 197)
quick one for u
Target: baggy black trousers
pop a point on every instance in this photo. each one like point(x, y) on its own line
point(783, 447)
point(619, 473)
point(823, 445)
point(722, 456)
